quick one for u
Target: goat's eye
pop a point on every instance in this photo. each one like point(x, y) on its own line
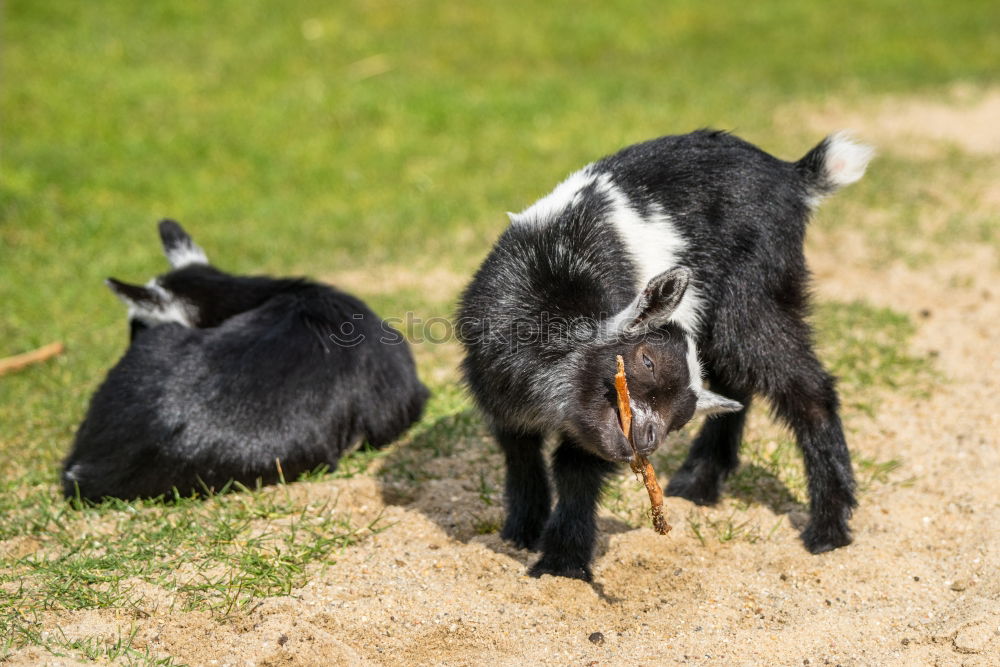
point(647, 362)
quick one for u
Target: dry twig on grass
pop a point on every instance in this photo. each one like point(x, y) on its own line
point(19, 361)
point(640, 464)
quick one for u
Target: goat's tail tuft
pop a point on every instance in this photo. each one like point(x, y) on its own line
point(836, 161)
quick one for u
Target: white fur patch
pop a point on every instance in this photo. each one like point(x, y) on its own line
point(654, 244)
point(694, 365)
point(170, 309)
point(184, 254)
point(846, 159)
point(551, 205)
point(616, 325)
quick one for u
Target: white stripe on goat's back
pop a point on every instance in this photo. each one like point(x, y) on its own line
point(654, 244)
point(564, 195)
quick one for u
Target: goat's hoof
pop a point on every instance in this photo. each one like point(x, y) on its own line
point(521, 534)
point(553, 566)
point(822, 538)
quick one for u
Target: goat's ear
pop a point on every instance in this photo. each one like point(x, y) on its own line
point(152, 304)
point(135, 296)
point(709, 404)
point(180, 250)
point(658, 301)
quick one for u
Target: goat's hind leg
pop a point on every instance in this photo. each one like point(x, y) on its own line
point(526, 494)
point(805, 397)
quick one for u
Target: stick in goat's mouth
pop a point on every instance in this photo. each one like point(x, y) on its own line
point(640, 464)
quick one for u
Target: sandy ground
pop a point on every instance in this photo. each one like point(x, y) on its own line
point(920, 585)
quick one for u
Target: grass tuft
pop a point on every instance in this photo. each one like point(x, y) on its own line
point(867, 350)
point(221, 555)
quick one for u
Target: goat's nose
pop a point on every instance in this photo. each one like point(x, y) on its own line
point(645, 437)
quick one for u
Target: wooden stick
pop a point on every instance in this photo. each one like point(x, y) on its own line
point(640, 464)
point(19, 361)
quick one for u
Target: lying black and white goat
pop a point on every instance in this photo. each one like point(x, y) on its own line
point(679, 253)
point(226, 374)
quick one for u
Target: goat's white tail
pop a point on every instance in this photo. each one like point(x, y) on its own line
point(837, 161)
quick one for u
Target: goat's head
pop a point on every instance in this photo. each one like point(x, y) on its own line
point(664, 376)
point(193, 293)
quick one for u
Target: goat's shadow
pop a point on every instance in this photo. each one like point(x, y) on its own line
point(751, 483)
point(754, 484)
point(451, 471)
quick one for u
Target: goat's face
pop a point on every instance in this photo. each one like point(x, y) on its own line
point(663, 373)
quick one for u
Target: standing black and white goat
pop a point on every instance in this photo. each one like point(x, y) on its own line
point(677, 252)
point(225, 374)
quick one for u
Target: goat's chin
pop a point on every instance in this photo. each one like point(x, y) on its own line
point(610, 442)
point(600, 433)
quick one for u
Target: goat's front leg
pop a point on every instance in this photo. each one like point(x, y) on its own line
point(569, 536)
point(526, 494)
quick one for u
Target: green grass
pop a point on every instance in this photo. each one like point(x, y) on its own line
point(866, 349)
point(309, 137)
point(726, 528)
point(221, 554)
point(97, 649)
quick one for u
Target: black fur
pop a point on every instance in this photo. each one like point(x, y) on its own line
point(741, 215)
point(260, 376)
